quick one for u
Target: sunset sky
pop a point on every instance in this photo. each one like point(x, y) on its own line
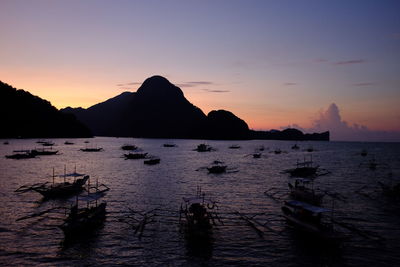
point(312, 64)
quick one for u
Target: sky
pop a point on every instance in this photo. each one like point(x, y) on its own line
point(315, 65)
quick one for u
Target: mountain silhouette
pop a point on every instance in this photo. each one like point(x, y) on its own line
point(159, 109)
point(28, 116)
point(222, 124)
point(289, 134)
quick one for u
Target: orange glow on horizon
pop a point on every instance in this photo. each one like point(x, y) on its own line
point(79, 93)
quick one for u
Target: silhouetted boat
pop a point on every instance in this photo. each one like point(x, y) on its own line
point(309, 219)
point(129, 147)
point(6, 143)
point(62, 190)
point(310, 149)
point(217, 168)
point(97, 149)
point(81, 221)
point(256, 155)
point(295, 147)
point(278, 151)
point(135, 156)
point(364, 152)
point(152, 161)
point(48, 144)
point(234, 147)
point(195, 215)
point(24, 155)
point(301, 191)
point(43, 152)
point(203, 148)
point(169, 145)
point(86, 142)
point(68, 143)
point(303, 169)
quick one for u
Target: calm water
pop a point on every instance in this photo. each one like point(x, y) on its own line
point(134, 185)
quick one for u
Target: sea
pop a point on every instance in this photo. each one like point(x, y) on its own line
point(252, 188)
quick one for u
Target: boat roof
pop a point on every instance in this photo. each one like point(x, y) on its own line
point(304, 163)
point(198, 200)
point(72, 174)
point(306, 206)
point(303, 180)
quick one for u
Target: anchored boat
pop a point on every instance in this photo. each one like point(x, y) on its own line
point(203, 148)
point(135, 155)
point(196, 215)
point(309, 218)
point(301, 190)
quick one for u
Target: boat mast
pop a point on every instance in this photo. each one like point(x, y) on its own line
point(65, 172)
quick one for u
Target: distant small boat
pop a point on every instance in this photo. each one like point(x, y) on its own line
point(6, 143)
point(129, 147)
point(217, 169)
point(86, 142)
point(25, 155)
point(43, 152)
point(295, 147)
point(256, 155)
point(364, 152)
point(234, 147)
point(98, 149)
point(278, 151)
point(135, 156)
point(152, 161)
point(169, 145)
point(48, 144)
point(260, 148)
point(310, 149)
point(68, 143)
point(203, 148)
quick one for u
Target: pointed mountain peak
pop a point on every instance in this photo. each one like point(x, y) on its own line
point(158, 87)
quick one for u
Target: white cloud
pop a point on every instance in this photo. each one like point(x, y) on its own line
point(340, 130)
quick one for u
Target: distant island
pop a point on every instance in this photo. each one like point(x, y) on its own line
point(158, 109)
point(28, 116)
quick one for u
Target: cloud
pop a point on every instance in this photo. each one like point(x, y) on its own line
point(134, 83)
point(321, 60)
point(364, 84)
point(216, 91)
point(340, 130)
point(289, 84)
point(194, 84)
point(350, 62)
point(127, 84)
